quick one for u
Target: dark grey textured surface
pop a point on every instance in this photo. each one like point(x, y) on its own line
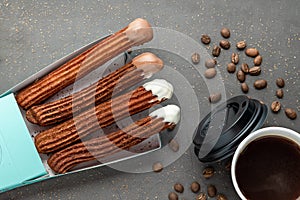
point(36, 33)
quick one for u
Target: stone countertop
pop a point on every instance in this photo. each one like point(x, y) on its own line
point(36, 33)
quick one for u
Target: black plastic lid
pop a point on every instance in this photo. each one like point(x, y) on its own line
point(222, 130)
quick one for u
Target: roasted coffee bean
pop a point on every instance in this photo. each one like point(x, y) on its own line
point(240, 75)
point(205, 39)
point(214, 98)
point(241, 45)
point(257, 60)
point(255, 71)
point(275, 106)
point(195, 187)
point(173, 144)
point(216, 51)
point(208, 172)
point(260, 84)
point(244, 87)
point(211, 190)
point(201, 196)
point(225, 44)
point(210, 73)
point(157, 167)
point(279, 93)
point(252, 52)
point(195, 58)
point(290, 113)
point(231, 67)
point(235, 58)
point(225, 32)
point(280, 82)
point(178, 188)
point(210, 63)
point(245, 68)
point(221, 197)
point(173, 196)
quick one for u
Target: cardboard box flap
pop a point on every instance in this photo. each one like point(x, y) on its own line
point(19, 159)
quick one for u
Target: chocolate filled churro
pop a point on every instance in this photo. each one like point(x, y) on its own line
point(140, 68)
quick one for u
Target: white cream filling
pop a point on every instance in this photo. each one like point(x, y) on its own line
point(170, 113)
point(160, 88)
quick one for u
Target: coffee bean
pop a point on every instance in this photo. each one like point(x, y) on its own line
point(210, 63)
point(225, 44)
point(260, 84)
point(231, 67)
point(205, 39)
point(240, 75)
point(214, 98)
point(290, 113)
point(173, 196)
point(173, 144)
point(280, 82)
point(245, 68)
point(208, 172)
point(157, 167)
point(195, 187)
point(244, 87)
point(195, 58)
point(252, 52)
point(211, 190)
point(216, 51)
point(178, 188)
point(279, 93)
point(201, 196)
point(235, 58)
point(210, 73)
point(221, 197)
point(225, 32)
point(275, 106)
point(257, 60)
point(241, 45)
point(255, 71)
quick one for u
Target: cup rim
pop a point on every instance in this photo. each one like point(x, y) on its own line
point(268, 131)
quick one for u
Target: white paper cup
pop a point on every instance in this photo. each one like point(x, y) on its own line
point(270, 131)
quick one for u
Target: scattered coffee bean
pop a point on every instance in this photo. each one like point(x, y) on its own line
point(173, 144)
point(195, 58)
point(280, 82)
point(225, 32)
point(279, 93)
point(221, 197)
point(225, 44)
point(245, 68)
point(252, 52)
point(211, 190)
point(173, 196)
point(235, 58)
point(231, 67)
point(157, 167)
point(275, 106)
point(201, 196)
point(205, 39)
point(244, 87)
point(257, 60)
point(255, 71)
point(228, 165)
point(216, 51)
point(240, 75)
point(241, 45)
point(178, 188)
point(214, 98)
point(208, 172)
point(210, 63)
point(260, 84)
point(195, 187)
point(290, 113)
point(210, 73)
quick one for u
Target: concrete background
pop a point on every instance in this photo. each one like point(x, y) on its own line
point(35, 33)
